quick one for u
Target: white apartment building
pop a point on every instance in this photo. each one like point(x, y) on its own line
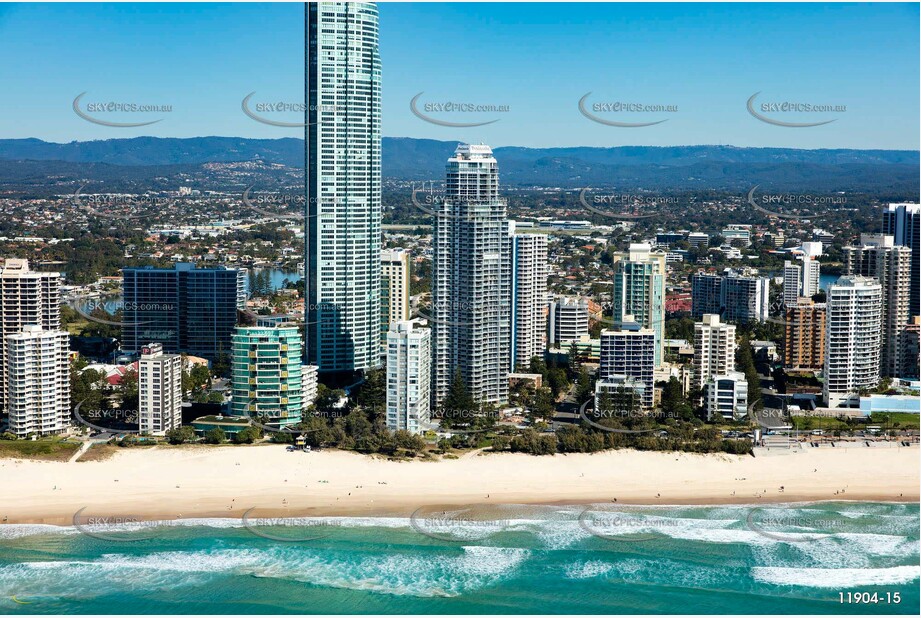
point(726, 395)
point(409, 358)
point(529, 294)
point(159, 391)
point(802, 279)
point(568, 319)
point(852, 341)
point(37, 373)
point(27, 298)
point(879, 257)
point(714, 349)
point(309, 385)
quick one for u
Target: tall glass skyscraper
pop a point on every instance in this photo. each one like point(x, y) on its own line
point(343, 205)
point(639, 291)
point(471, 279)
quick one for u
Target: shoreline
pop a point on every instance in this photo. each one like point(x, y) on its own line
point(170, 483)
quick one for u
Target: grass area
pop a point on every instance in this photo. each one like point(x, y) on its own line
point(808, 423)
point(905, 420)
point(47, 449)
point(99, 452)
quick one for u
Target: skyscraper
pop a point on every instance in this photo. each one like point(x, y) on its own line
point(903, 223)
point(705, 294)
point(267, 381)
point(471, 279)
point(639, 291)
point(804, 334)
point(186, 309)
point(734, 295)
point(744, 298)
point(409, 363)
point(27, 298)
point(852, 341)
point(394, 286)
point(802, 279)
point(529, 297)
point(568, 319)
point(629, 352)
point(38, 381)
point(877, 256)
point(714, 349)
point(343, 193)
point(159, 391)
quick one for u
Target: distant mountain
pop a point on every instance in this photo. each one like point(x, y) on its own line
point(648, 167)
point(158, 150)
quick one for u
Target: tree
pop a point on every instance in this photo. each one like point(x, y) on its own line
point(247, 436)
point(500, 443)
point(372, 393)
point(180, 435)
point(745, 360)
point(129, 390)
point(357, 424)
point(674, 403)
point(317, 432)
point(584, 389)
point(458, 407)
point(215, 436)
point(542, 405)
point(327, 398)
point(408, 441)
point(575, 359)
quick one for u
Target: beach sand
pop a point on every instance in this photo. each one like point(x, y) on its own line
point(197, 481)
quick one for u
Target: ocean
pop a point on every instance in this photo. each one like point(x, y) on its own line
point(606, 559)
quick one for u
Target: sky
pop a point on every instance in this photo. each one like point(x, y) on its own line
point(702, 62)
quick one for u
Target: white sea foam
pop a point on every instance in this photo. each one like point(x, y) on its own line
point(447, 573)
point(836, 578)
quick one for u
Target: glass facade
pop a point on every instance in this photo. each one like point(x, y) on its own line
point(343, 195)
point(185, 309)
point(266, 367)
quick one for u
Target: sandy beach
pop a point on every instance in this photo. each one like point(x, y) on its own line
point(190, 482)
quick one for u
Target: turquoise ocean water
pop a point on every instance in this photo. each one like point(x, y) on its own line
point(697, 560)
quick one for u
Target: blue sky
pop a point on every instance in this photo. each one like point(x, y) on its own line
point(537, 59)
